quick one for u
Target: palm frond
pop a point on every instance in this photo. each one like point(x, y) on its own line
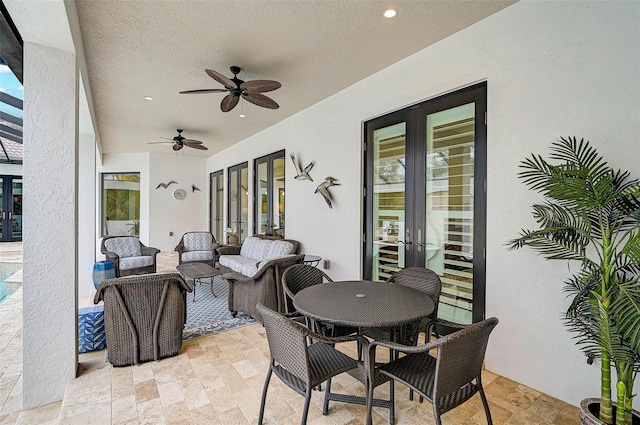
point(626, 309)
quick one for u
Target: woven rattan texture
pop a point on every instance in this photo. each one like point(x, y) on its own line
point(455, 376)
point(144, 316)
point(180, 248)
point(382, 305)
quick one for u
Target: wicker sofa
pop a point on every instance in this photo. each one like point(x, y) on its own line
point(254, 272)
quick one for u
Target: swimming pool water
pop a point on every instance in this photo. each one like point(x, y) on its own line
point(4, 293)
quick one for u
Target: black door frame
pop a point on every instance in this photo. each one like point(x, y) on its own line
point(7, 208)
point(257, 205)
point(238, 186)
point(216, 175)
point(415, 119)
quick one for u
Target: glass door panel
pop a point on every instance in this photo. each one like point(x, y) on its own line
point(262, 191)
point(450, 206)
point(3, 213)
point(216, 200)
point(278, 196)
point(10, 208)
point(425, 197)
point(389, 159)
point(238, 199)
point(269, 201)
point(16, 212)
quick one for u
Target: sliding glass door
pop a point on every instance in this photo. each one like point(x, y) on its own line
point(268, 203)
point(425, 197)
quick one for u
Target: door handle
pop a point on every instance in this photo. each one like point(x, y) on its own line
point(10, 215)
point(419, 244)
point(4, 215)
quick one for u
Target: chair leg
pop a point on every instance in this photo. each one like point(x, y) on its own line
point(307, 401)
point(369, 388)
point(392, 400)
point(436, 413)
point(264, 396)
point(325, 406)
point(486, 405)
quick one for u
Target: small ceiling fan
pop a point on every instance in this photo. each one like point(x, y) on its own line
point(251, 91)
point(180, 141)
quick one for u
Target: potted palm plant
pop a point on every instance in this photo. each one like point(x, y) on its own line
point(590, 214)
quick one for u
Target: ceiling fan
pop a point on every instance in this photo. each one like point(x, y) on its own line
point(251, 91)
point(180, 141)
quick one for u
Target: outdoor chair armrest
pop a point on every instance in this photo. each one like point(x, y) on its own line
point(179, 247)
point(337, 339)
point(434, 324)
point(238, 277)
point(229, 249)
point(149, 251)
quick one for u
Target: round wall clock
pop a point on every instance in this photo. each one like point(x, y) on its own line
point(180, 194)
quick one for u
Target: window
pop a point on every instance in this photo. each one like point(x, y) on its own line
point(120, 204)
point(215, 209)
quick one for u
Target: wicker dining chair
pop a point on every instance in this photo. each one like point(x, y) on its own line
point(447, 380)
point(300, 364)
point(301, 276)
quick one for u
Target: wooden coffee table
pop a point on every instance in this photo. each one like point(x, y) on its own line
point(197, 272)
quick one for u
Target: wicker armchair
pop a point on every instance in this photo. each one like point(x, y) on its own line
point(144, 316)
point(129, 255)
point(265, 287)
point(301, 365)
point(197, 247)
point(446, 381)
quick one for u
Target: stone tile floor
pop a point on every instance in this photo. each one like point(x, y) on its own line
point(218, 379)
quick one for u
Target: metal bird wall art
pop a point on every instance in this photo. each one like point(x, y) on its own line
point(165, 185)
point(323, 189)
point(194, 188)
point(300, 173)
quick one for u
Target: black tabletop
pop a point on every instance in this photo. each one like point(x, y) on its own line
point(363, 304)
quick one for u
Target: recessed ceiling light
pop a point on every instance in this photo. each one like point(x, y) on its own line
point(242, 115)
point(148, 98)
point(390, 13)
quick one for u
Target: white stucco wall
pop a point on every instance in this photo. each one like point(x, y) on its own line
point(49, 224)
point(86, 213)
point(160, 212)
point(168, 214)
point(553, 69)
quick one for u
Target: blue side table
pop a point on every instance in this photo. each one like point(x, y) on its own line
point(103, 270)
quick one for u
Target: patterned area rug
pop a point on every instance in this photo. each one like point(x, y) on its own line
point(208, 314)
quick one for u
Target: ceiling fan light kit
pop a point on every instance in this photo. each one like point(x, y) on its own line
point(251, 91)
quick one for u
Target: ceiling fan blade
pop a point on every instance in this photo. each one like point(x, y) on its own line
point(221, 79)
point(260, 86)
point(177, 146)
point(196, 146)
point(261, 100)
point(168, 138)
point(201, 91)
point(228, 103)
point(192, 141)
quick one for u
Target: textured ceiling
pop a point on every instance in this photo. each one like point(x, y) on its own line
point(314, 48)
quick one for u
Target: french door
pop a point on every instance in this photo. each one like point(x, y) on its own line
point(268, 215)
point(238, 199)
point(216, 186)
point(10, 208)
point(425, 197)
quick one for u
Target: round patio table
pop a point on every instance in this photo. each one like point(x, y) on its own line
point(363, 304)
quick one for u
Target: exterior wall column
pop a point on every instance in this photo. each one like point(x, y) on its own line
point(50, 224)
point(86, 213)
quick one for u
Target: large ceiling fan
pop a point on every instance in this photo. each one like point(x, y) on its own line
point(251, 91)
point(180, 141)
